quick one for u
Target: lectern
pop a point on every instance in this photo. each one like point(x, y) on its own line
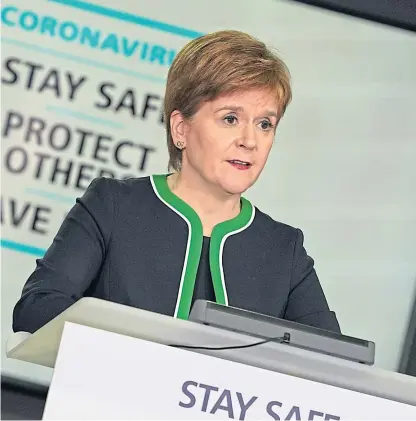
point(116, 362)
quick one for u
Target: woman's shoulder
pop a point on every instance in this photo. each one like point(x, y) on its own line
point(121, 187)
point(267, 224)
point(118, 193)
point(131, 185)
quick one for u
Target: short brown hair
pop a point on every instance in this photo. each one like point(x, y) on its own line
point(218, 63)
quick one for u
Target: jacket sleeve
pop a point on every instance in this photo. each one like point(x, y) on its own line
point(72, 261)
point(307, 303)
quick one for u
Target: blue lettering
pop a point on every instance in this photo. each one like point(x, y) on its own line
point(68, 31)
point(145, 47)
point(5, 11)
point(225, 396)
point(72, 31)
point(270, 409)
point(48, 25)
point(158, 53)
point(128, 50)
point(243, 405)
point(208, 389)
point(87, 36)
point(110, 43)
point(329, 417)
point(28, 24)
point(313, 414)
point(295, 411)
point(189, 394)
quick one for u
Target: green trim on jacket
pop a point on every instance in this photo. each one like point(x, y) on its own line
point(219, 235)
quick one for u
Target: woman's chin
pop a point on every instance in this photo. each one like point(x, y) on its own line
point(236, 186)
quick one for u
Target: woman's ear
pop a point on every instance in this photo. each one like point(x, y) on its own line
point(178, 129)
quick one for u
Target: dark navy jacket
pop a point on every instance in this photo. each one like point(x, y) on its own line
point(135, 242)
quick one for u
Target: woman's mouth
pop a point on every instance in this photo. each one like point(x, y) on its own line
point(239, 165)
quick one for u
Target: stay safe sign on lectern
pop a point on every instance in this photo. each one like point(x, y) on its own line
point(113, 363)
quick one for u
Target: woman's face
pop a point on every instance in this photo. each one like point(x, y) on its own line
point(228, 140)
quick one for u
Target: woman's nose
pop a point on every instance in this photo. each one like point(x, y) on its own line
point(248, 137)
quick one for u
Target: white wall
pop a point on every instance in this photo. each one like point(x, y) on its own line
point(342, 169)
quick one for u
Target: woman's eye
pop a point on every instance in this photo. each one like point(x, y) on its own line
point(230, 119)
point(266, 125)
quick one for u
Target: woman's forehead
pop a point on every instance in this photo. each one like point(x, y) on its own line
point(245, 100)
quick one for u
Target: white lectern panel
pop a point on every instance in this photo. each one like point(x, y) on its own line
point(103, 375)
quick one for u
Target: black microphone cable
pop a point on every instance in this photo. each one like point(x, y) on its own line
point(285, 339)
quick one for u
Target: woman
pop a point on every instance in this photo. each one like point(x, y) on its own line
point(160, 242)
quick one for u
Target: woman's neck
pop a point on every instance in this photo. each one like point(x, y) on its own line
point(211, 205)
